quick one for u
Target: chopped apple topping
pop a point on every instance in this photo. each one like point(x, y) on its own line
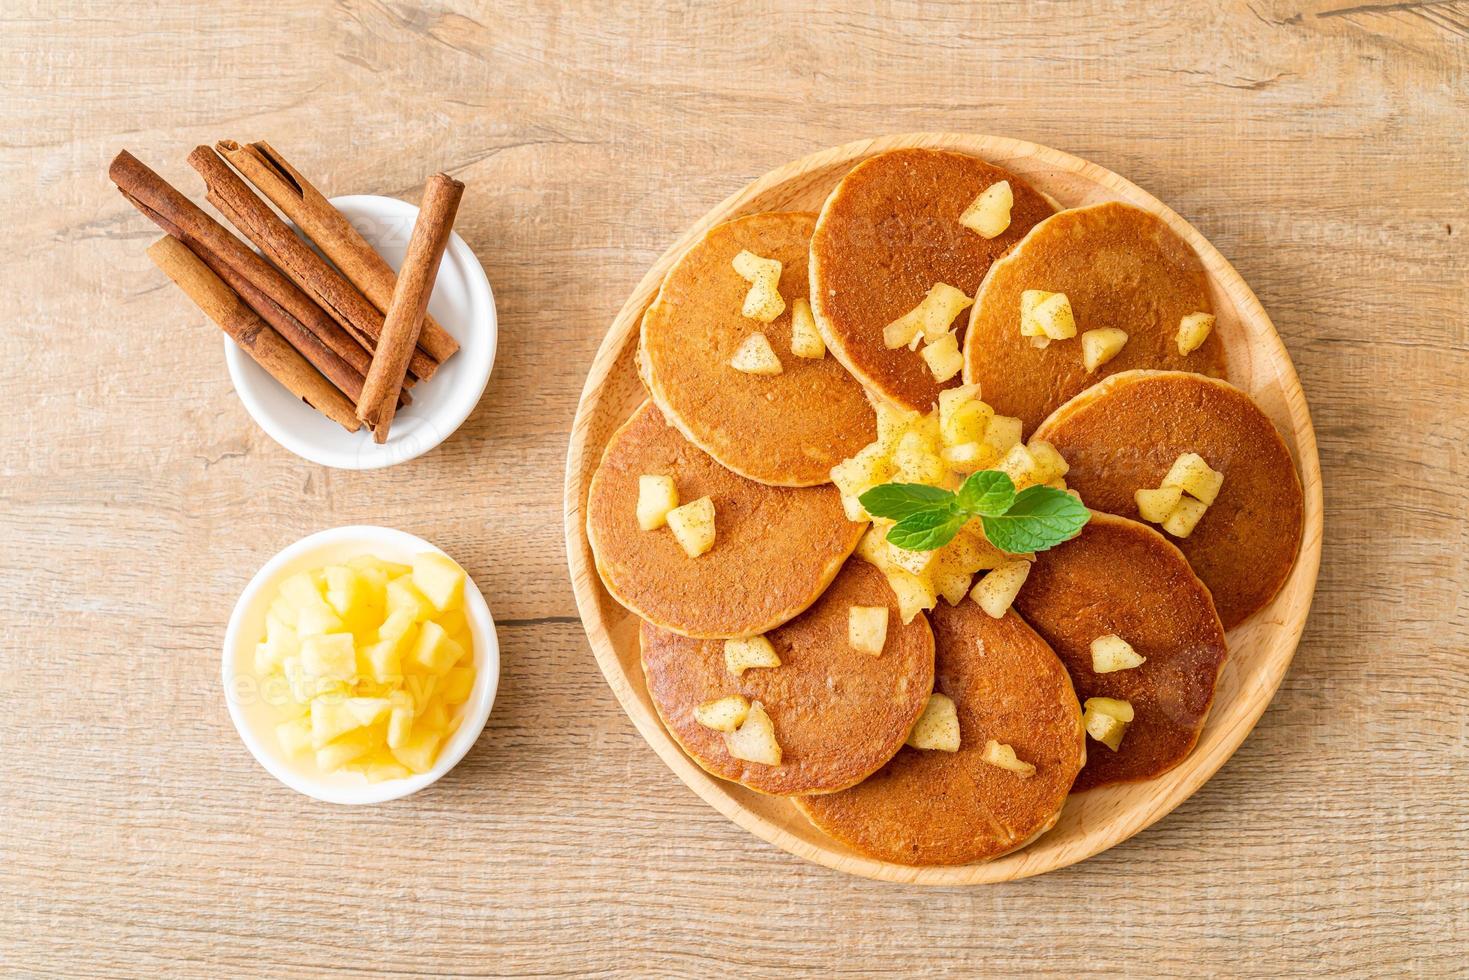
point(989, 215)
point(1185, 517)
point(998, 589)
point(1100, 346)
point(1046, 315)
point(968, 457)
point(754, 740)
point(938, 727)
point(1112, 653)
point(693, 526)
point(1154, 506)
point(1003, 756)
point(756, 356)
point(763, 302)
point(943, 357)
point(867, 628)
point(742, 655)
point(1050, 464)
point(1020, 466)
point(1002, 433)
point(805, 338)
point(916, 462)
point(657, 495)
point(1195, 477)
point(1168, 505)
point(1193, 330)
point(723, 714)
point(1106, 720)
point(930, 318)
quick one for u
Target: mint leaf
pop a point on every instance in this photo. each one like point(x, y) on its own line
point(896, 501)
point(988, 492)
point(1039, 519)
point(928, 530)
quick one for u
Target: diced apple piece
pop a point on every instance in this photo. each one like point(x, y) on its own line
point(872, 547)
point(403, 596)
point(968, 457)
point(418, 750)
point(1185, 517)
point(434, 651)
point(867, 628)
point(754, 740)
point(1020, 466)
point(1106, 720)
point(1112, 653)
point(400, 718)
point(913, 562)
point(756, 356)
point(1046, 315)
point(1050, 464)
point(346, 590)
point(434, 717)
point(317, 620)
point(915, 462)
point(331, 656)
point(1002, 433)
point(752, 267)
point(1030, 299)
point(805, 338)
point(400, 630)
point(693, 526)
point(989, 214)
point(294, 736)
point(1195, 477)
point(336, 754)
point(1003, 756)
point(331, 718)
point(724, 714)
point(367, 711)
point(998, 589)
point(1193, 330)
point(913, 594)
point(930, 318)
point(763, 301)
point(892, 423)
point(283, 611)
point(965, 423)
point(1115, 707)
point(937, 728)
point(951, 398)
point(440, 579)
point(379, 767)
point(867, 469)
point(301, 591)
point(457, 685)
point(746, 654)
point(1100, 346)
point(377, 569)
point(1154, 506)
point(943, 357)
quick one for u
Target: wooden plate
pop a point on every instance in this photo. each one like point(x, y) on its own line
point(1260, 649)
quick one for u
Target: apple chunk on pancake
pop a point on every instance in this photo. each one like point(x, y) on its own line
point(787, 423)
point(935, 807)
point(1124, 434)
point(1120, 268)
point(773, 549)
point(836, 713)
point(888, 234)
point(1121, 578)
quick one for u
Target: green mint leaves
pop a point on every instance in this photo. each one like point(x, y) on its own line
point(1035, 519)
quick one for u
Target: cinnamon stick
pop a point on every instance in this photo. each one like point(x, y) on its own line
point(254, 218)
point(230, 258)
point(256, 337)
point(315, 215)
point(404, 320)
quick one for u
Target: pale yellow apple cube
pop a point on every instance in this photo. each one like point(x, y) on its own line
point(943, 357)
point(331, 718)
point(1052, 317)
point(434, 651)
point(331, 656)
point(805, 338)
point(724, 714)
point(937, 728)
point(1050, 465)
point(749, 653)
point(914, 595)
point(870, 467)
point(872, 547)
point(404, 597)
point(294, 735)
point(951, 398)
point(300, 591)
point(400, 718)
point(384, 661)
point(379, 767)
point(965, 422)
point(693, 526)
point(457, 685)
point(998, 589)
point(1115, 707)
point(867, 628)
point(434, 717)
point(1002, 433)
point(348, 591)
point(754, 740)
point(400, 630)
point(763, 301)
point(1100, 346)
point(756, 356)
point(912, 562)
point(989, 214)
point(915, 462)
point(1106, 720)
point(930, 318)
point(657, 495)
point(440, 579)
point(1195, 477)
point(418, 750)
point(1020, 466)
point(892, 424)
point(334, 755)
point(1154, 506)
point(1112, 653)
point(969, 457)
point(1003, 756)
point(752, 267)
point(1185, 517)
point(318, 620)
point(1193, 330)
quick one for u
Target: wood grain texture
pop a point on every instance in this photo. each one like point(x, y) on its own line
point(1318, 144)
point(1260, 650)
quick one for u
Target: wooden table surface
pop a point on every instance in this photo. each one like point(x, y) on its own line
point(1320, 146)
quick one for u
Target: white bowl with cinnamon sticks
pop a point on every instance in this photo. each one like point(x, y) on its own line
point(367, 350)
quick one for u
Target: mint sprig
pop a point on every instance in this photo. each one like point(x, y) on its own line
point(1035, 519)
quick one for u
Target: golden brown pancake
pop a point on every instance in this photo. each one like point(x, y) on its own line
point(930, 807)
point(839, 714)
point(775, 550)
point(1124, 578)
point(787, 429)
point(890, 231)
point(1120, 266)
point(1123, 435)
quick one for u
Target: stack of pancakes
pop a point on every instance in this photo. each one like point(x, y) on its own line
point(761, 447)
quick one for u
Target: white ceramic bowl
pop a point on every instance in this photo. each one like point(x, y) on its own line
point(250, 703)
point(464, 306)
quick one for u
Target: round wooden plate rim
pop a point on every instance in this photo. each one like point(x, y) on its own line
point(1222, 736)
